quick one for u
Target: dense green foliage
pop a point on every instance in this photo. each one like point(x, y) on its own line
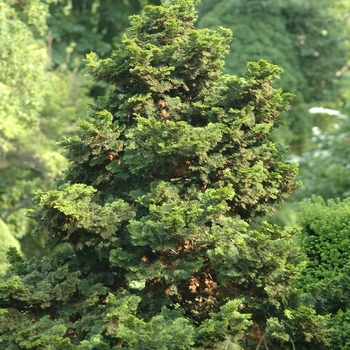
point(325, 280)
point(149, 227)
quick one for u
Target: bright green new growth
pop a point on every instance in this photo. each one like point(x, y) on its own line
point(150, 226)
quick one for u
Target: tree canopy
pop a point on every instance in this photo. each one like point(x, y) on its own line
point(150, 227)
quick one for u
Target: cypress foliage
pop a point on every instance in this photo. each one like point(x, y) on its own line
point(149, 230)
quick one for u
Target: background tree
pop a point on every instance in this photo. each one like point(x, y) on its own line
point(150, 225)
point(324, 165)
point(78, 27)
point(21, 86)
point(36, 106)
point(325, 168)
point(306, 39)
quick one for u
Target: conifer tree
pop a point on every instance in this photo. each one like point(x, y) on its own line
point(150, 228)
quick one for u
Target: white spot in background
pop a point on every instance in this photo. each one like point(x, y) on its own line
point(321, 110)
